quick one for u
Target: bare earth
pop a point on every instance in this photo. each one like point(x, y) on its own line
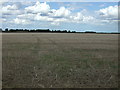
point(59, 60)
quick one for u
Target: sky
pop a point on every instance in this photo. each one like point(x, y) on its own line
point(74, 16)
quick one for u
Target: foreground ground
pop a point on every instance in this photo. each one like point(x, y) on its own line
point(59, 60)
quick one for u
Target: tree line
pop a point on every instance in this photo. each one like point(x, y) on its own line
point(50, 31)
point(37, 30)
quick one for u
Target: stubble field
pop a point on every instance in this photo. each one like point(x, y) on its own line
point(46, 60)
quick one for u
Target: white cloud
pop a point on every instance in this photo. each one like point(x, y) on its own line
point(26, 3)
point(81, 18)
point(78, 17)
point(10, 10)
point(88, 19)
point(29, 16)
point(58, 16)
point(43, 12)
point(38, 8)
point(42, 18)
point(62, 12)
point(11, 7)
point(21, 21)
point(2, 20)
point(110, 12)
point(55, 23)
point(3, 1)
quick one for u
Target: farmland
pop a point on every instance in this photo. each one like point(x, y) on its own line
point(55, 60)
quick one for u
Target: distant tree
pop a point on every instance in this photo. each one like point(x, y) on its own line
point(90, 32)
point(73, 31)
point(6, 30)
point(0, 29)
point(65, 31)
point(69, 31)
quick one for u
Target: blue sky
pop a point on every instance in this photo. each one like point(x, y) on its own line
point(74, 16)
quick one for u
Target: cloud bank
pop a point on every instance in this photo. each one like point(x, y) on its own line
point(43, 12)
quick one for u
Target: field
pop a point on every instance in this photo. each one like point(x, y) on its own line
point(54, 60)
point(0, 60)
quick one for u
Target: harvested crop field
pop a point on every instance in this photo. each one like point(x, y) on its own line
point(59, 60)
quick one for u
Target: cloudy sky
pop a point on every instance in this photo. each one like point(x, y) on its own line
point(74, 16)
